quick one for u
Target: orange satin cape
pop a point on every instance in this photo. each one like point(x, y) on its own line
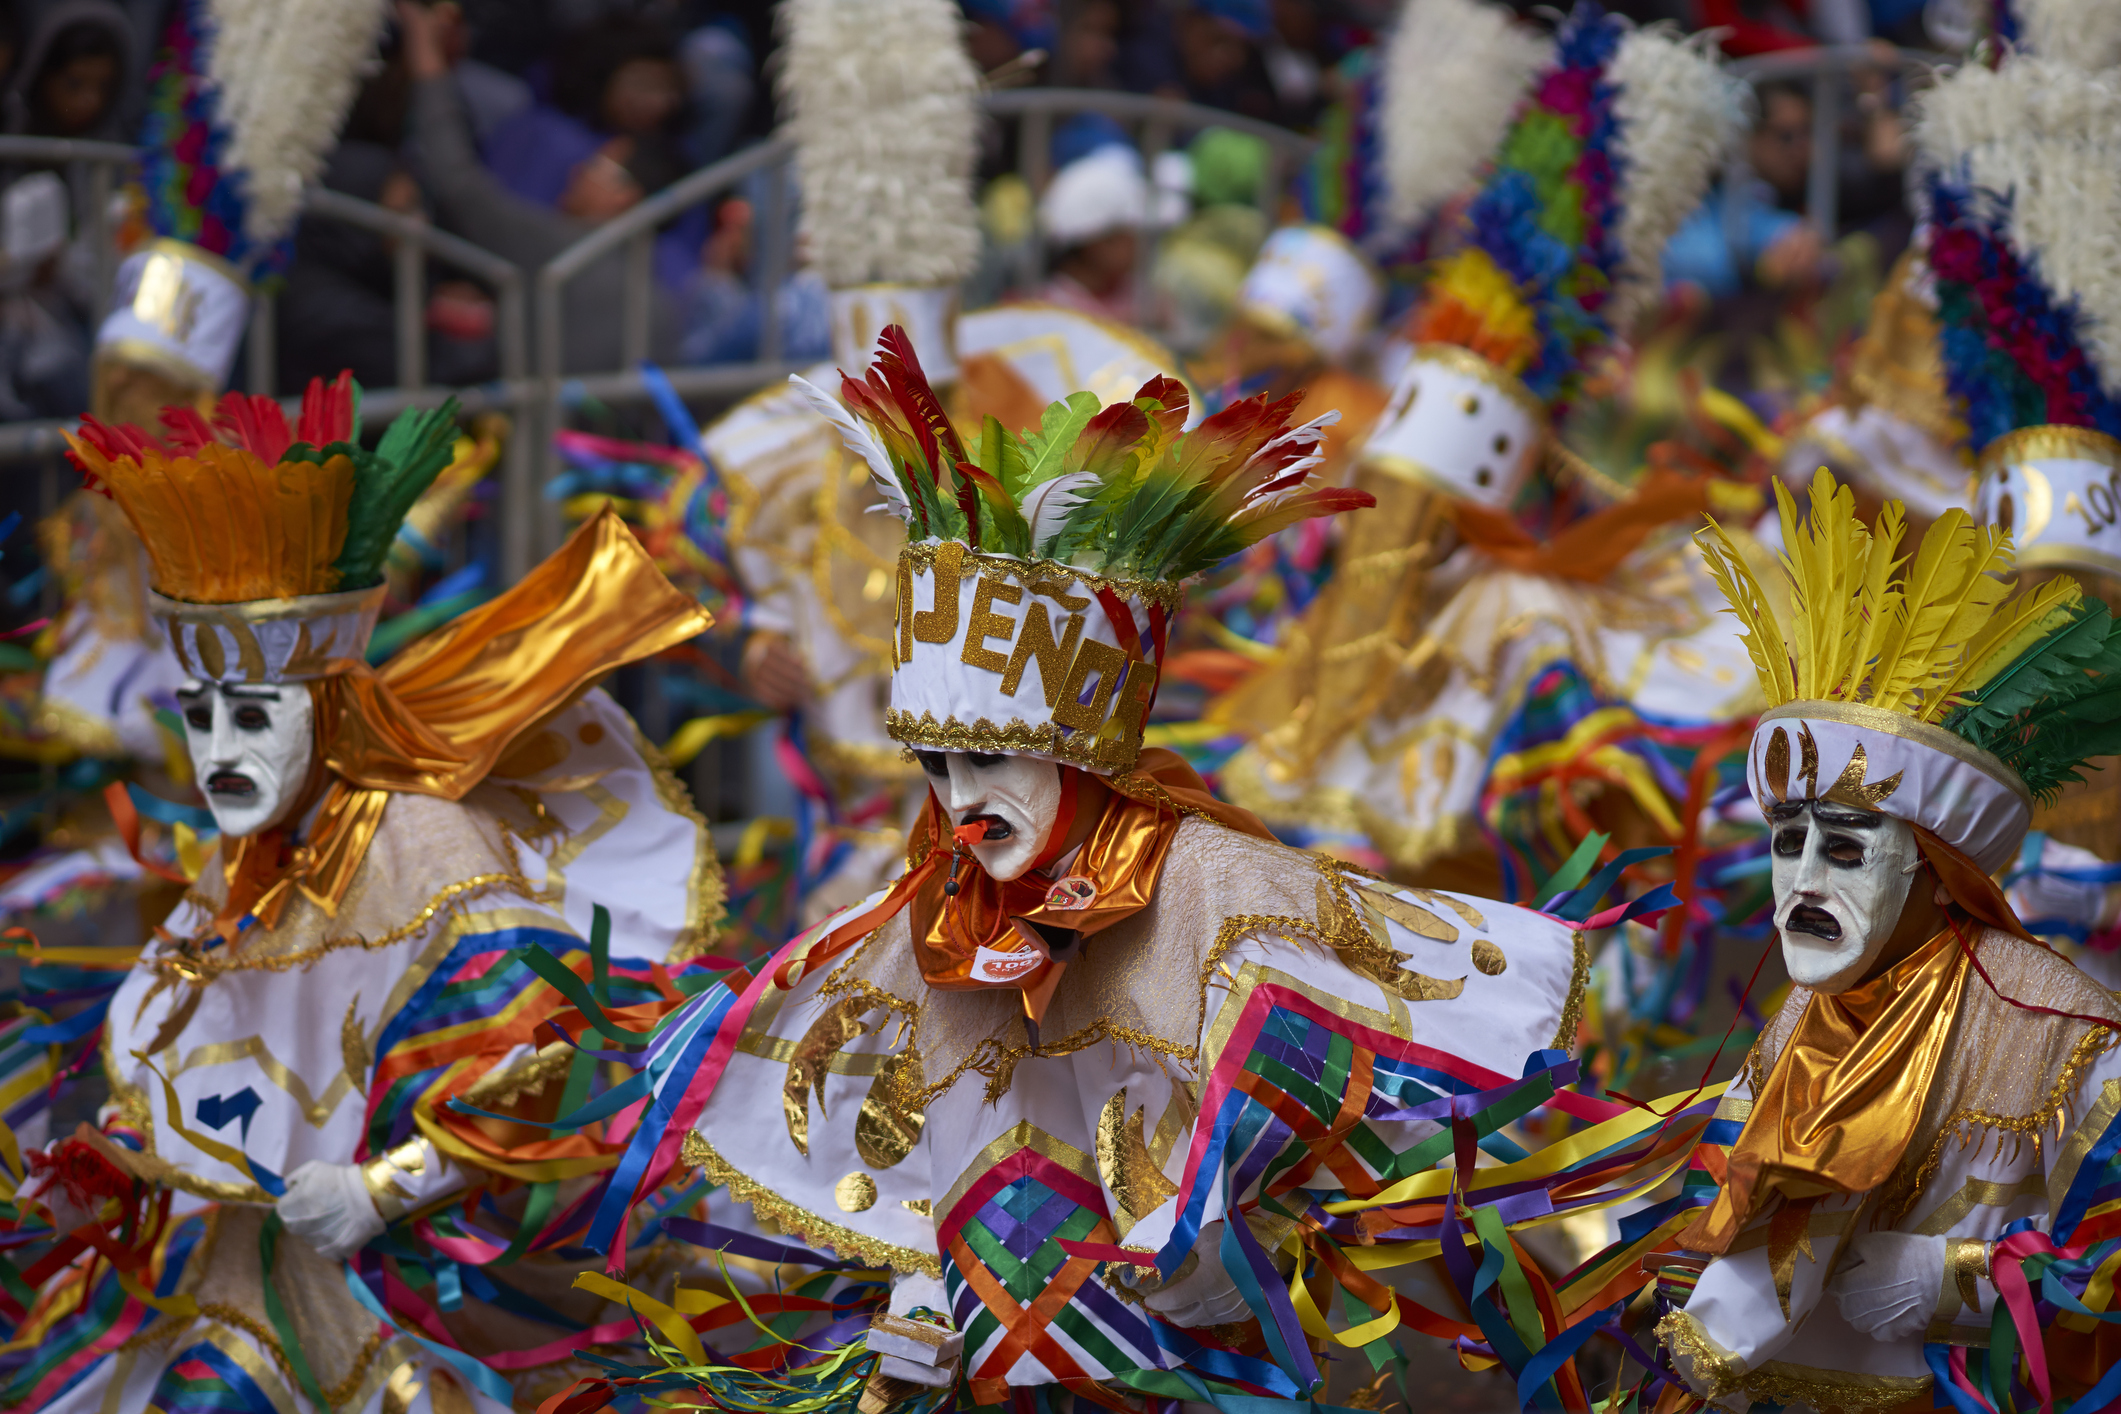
point(1593, 547)
point(1122, 857)
point(438, 717)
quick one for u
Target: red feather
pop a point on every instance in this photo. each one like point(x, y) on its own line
point(327, 411)
point(1107, 438)
point(188, 431)
point(901, 370)
point(1258, 522)
point(1170, 395)
point(254, 424)
point(81, 1173)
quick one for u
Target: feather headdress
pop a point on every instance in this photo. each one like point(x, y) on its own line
point(243, 508)
point(1118, 490)
point(882, 102)
point(1100, 513)
point(1453, 73)
point(1935, 635)
point(1610, 152)
point(2026, 242)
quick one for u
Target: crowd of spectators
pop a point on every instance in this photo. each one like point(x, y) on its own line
point(523, 124)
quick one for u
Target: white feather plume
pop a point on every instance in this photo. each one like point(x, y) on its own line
point(1046, 505)
point(882, 103)
point(1679, 115)
point(2084, 34)
point(1454, 72)
point(2047, 136)
point(862, 442)
point(285, 73)
point(1313, 435)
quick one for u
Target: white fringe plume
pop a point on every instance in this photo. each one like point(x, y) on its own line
point(882, 102)
point(1679, 115)
point(2084, 34)
point(285, 72)
point(1454, 72)
point(2047, 135)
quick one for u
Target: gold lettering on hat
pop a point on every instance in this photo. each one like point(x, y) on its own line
point(1850, 789)
point(902, 640)
point(1034, 639)
point(1775, 765)
point(939, 624)
point(1092, 657)
point(985, 624)
point(1133, 710)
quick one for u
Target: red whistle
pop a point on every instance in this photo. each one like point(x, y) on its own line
point(970, 834)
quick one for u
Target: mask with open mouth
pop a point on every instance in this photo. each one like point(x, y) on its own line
point(1841, 878)
point(250, 749)
point(1016, 797)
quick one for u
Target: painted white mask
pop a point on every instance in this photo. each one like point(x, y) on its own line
point(1018, 797)
point(250, 748)
point(1841, 877)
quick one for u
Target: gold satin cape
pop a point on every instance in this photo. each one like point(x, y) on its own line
point(439, 716)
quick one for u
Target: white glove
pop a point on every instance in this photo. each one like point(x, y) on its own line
point(1205, 1296)
point(912, 1349)
point(1889, 1284)
point(327, 1206)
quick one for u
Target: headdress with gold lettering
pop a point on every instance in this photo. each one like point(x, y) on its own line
point(2028, 297)
point(1036, 596)
point(1612, 148)
point(266, 543)
point(1921, 683)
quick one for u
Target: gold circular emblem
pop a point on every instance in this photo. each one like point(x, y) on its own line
point(855, 1193)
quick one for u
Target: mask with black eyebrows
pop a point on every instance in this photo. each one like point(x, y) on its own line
point(1841, 877)
point(250, 749)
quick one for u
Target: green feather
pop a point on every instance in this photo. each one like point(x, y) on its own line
point(413, 452)
point(2054, 708)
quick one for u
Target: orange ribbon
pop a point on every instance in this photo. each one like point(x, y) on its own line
point(1593, 547)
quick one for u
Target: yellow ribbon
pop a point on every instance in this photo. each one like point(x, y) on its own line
point(670, 1321)
point(692, 738)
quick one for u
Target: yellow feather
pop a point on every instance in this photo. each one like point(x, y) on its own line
point(1935, 582)
point(1763, 636)
point(2005, 637)
point(1825, 560)
point(1880, 603)
point(1980, 595)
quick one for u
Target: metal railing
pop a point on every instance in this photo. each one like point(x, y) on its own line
point(531, 316)
point(1826, 70)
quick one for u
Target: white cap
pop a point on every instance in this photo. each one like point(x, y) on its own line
point(1094, 196)
point(1310, 282)
point(179, 310)
point(1457, 423)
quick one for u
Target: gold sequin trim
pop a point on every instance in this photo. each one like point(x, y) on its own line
point(207, 966)
point(1721, 1370)
point(1150, 591)
point(1905, 1188)
point(807, 1226)
point(1046, 739)
point(1833, 1391)
point(1572, 1008)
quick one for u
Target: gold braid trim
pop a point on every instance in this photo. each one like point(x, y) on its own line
point(229, 1316)
point(695, 1150)
point(1150, 591)
point(1898, 1197)
point(1100, 753)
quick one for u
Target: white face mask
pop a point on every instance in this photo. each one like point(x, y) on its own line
point(250, 749)
point(1018, 796)
point(1841, 878)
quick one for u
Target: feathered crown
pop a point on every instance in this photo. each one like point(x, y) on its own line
point(1610, 151)
point(1921, 666)
point(1102, 512)
point(2023, 208)
point(246, 518)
